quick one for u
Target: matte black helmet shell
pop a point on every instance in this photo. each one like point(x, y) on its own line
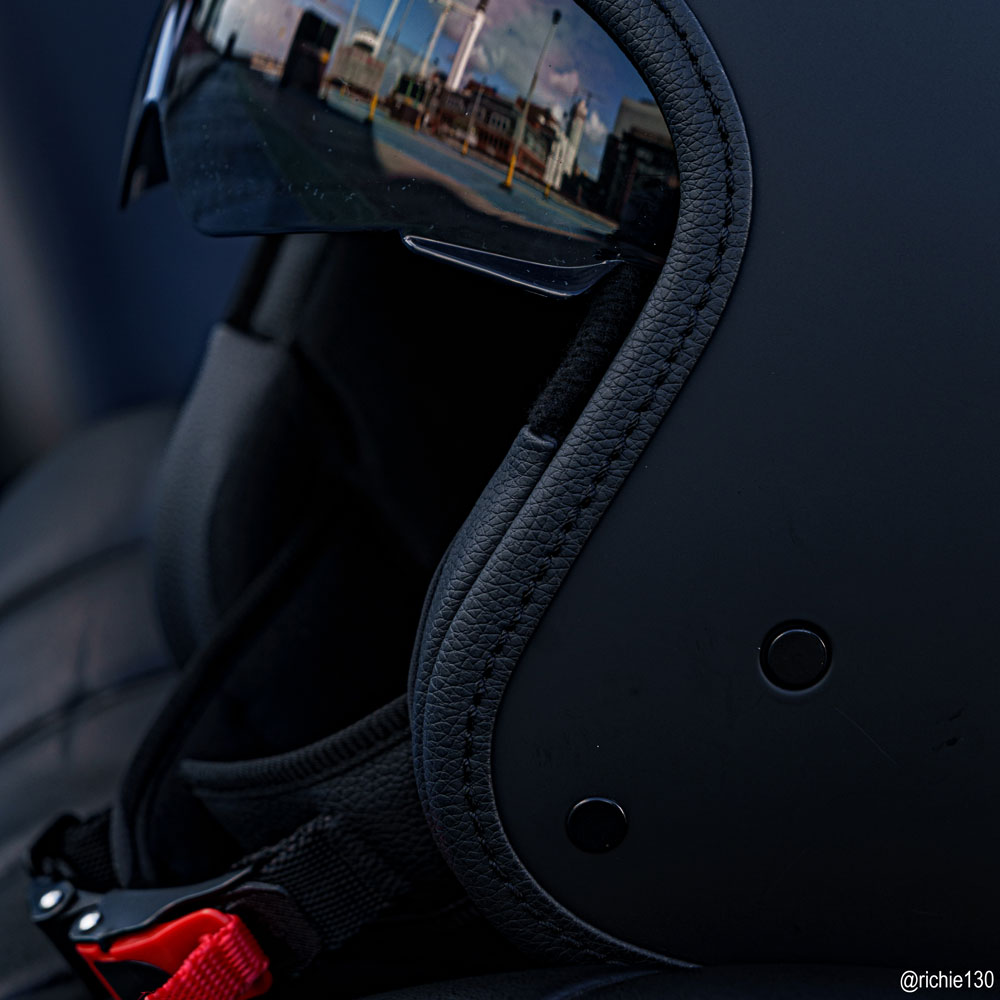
point(828, 475)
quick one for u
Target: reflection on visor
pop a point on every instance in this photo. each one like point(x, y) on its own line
point(507, 127)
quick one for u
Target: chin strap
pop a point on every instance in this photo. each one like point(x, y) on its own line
point(364, 856)
point(306, 897)
point(203, 955)
point(227, 964)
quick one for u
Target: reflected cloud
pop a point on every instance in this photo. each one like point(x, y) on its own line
point(595, 130)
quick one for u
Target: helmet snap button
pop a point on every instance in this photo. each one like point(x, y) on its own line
point(795, 657)
point(597, 825)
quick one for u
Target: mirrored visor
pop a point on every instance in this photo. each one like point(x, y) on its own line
point(513, 134)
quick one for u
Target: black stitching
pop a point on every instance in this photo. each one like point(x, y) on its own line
point(589, 493)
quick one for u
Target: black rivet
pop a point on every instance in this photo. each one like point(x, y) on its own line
point(597, 825)
point(795, 657)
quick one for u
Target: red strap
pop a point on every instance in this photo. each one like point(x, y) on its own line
point(228, 964)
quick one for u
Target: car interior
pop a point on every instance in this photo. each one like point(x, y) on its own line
point(249, 449)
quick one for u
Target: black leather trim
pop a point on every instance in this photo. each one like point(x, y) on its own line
point(465, 560)
point(492, 593)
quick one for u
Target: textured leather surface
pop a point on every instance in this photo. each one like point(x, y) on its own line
point(70, 767)
point(78, 630)
point(235, 430)
point(458, 682)
point(503, 497)
point(89, 497)
point(72, 652)
point(730, 983)
point(83, 664)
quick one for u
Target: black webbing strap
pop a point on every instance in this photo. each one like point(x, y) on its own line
point(78, 850)
point(306, 896)
point(356, 846)
point(337, 881)
point(356, 843)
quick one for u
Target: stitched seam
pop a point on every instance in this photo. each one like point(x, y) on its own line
point(526, 465)
point(570, 524)
point(63, 575)
point(79, 707)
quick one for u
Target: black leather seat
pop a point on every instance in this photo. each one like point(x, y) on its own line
point(79, 636)
point(83, 662)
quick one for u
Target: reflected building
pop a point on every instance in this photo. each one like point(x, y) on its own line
point(641, 116)
point(638, 181)
point(294, 54)
point(355, 67)
point(566, 150)
point(487, 121)
point(309, 53)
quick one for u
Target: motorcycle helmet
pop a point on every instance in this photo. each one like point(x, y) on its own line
point(704, 677)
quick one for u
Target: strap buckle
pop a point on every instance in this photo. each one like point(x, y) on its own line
point(161, 943)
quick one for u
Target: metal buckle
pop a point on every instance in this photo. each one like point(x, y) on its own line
point(129, 942)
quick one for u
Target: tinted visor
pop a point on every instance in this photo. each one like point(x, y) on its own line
point(510, 136)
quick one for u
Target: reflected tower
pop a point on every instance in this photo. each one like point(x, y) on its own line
point(467, 47)
point(577, 125)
